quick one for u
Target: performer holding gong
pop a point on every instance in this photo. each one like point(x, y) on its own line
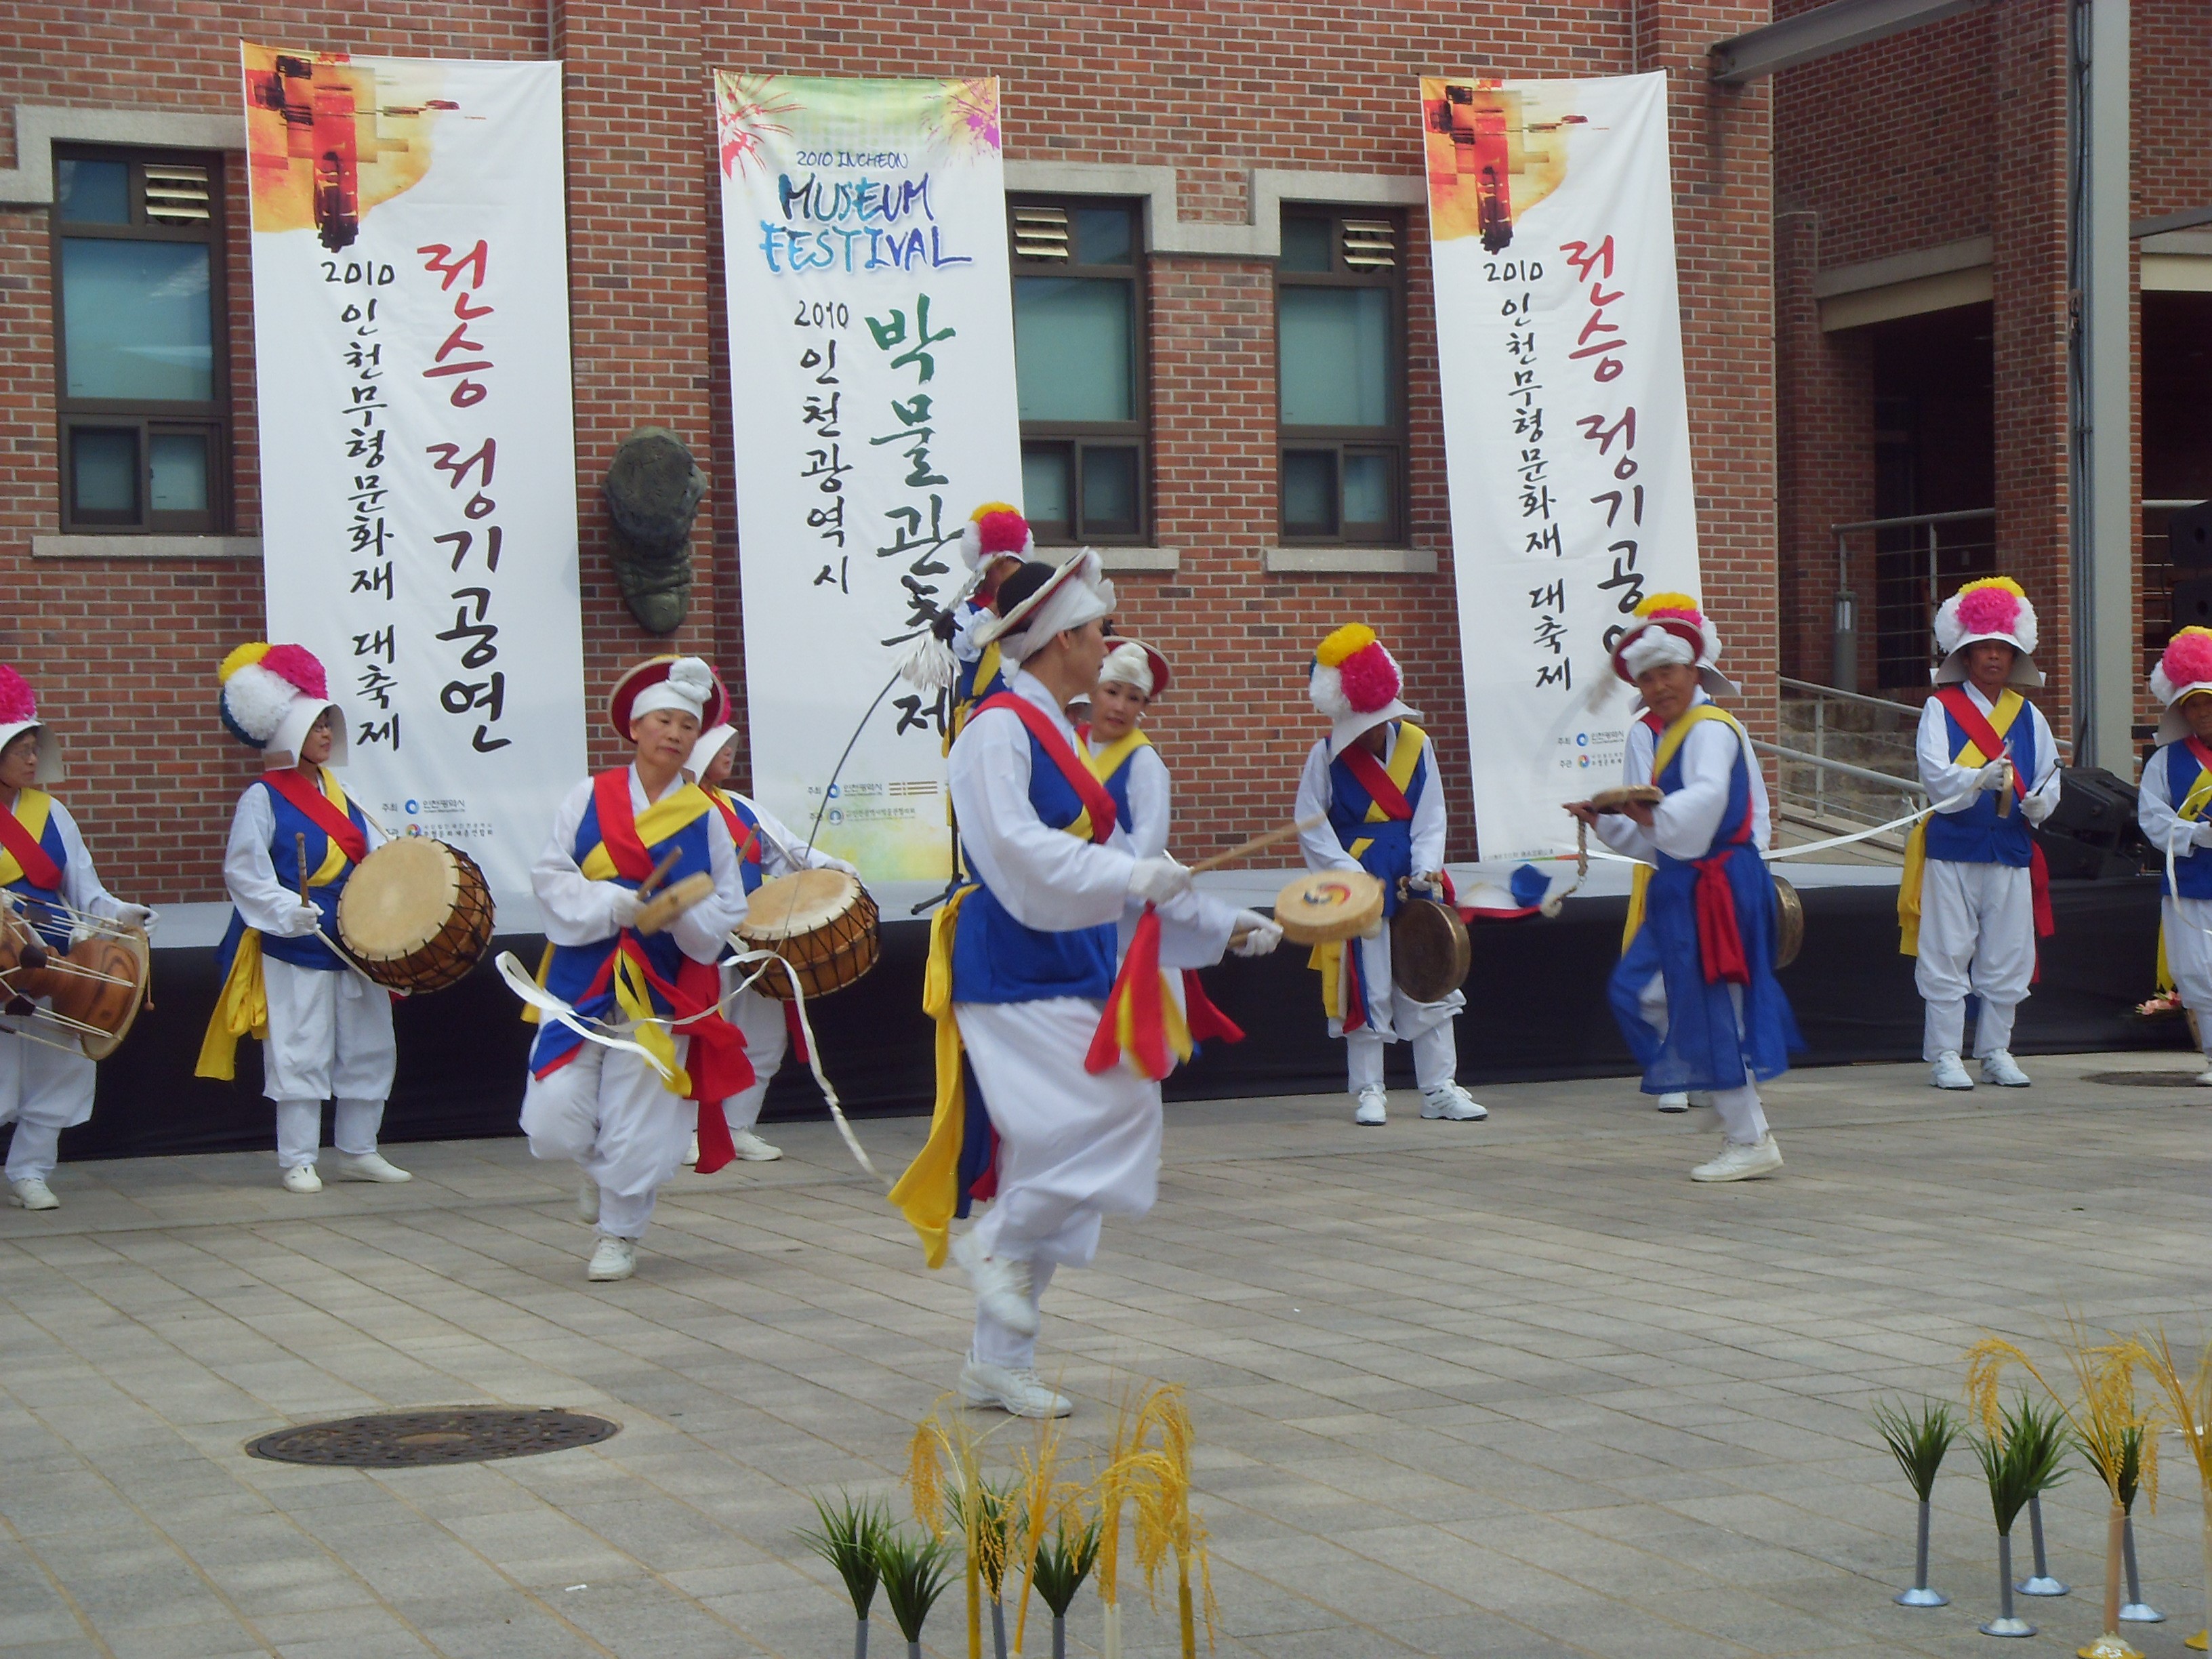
point(623, 1115)
point(1695, 992)
point(325, 1029)
point(1375, 778)
point(47, 1080)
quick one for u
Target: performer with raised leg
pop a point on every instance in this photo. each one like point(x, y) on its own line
point(2172, 805)
point(46, 1081)
point(325, 1029)
point(1021, 974)
point(1974, 897)
point(1374, 778)
point(1695, 992)
point(624, 1116)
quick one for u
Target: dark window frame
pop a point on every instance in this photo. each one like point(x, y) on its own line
point(1075, 437)
point(147, 418)
point(1390, 440)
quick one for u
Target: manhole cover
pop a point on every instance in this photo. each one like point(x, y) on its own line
point(466, 1434)
point(2147, 1079)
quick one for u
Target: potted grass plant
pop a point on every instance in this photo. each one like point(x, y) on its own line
point(2140, 1454)
point(2190, 1399)
point(849, 1539)
point(1045, 1500)
point(914, 1567)
point(1160, 1483)
point(1063, 1561)
point(1918, 1441)
point(2020, 1454)
point(945, 1474)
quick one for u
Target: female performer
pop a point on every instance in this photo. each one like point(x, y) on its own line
point(2171, 806)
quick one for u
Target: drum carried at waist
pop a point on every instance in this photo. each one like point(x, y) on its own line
point(1324, 905)
point(821, 922)
point(94, 990)
point(417, 914)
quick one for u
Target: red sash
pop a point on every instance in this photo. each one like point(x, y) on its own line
point(316, 805)
point(38, 869)
point(1983, 736)
point(2197, 747)
point(1080, 778)
point(1368, 772)
point(1205, 1020)
point(748, 837)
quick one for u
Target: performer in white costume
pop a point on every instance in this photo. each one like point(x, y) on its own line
point(1122, 754)
point(766, 849)
point(1374, 778)
point(45, 1080)
point(1023, 974)
point(295, 842)
point(1974, 895)
point(623, 1120)
point(2170, 805)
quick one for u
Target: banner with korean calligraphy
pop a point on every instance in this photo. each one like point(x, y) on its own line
point(418, 473)
point(872, 355)
point(1566, 429)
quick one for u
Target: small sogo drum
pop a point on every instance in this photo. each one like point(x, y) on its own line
point(1429, 955)
point(96, 989)
point(821, 922)
point(661, 909)
point(1627, 795)
point(1324, 905)
point(416, 914)
point(1789, 923)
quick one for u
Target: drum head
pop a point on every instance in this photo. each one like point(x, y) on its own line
point(1429, 955)
point(398, 901)
point(134, 943)
point(788, 906)
point(1326, 905)
point(1619, 799)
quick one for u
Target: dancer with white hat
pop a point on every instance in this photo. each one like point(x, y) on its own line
point(2170, 805)
point(765, 850)
point(1021, 975)
point(1374, 780)
point(46, 1082)
point(1694, 992)
point(1975, 896)
point(624, 1116)
point(295, 838)
point(993, 544)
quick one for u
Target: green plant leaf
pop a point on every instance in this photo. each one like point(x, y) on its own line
point(848, 1539)
point(1917, 1440)
point(915, 1568)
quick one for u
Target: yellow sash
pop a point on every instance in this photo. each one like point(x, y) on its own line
point(928, 1193)
point(1327, 960)
point(2008, 704)
point(33, 808)
point(1639, 890)
point(1670, 742)
point(1116, 755)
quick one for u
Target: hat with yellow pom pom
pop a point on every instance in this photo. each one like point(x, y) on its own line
point(995, 531)
point(272, 694)
point(19, 713)
point(1992, 608)
point(1355, 682)
point(2184, 668)
point(1670, 628)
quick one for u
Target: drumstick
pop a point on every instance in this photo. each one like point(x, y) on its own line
point(1254, 845)
point(652, 882)
point(299, 844)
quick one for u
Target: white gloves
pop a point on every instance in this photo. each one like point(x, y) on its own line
point(1260, 934)
point(1427, 881)
point(824, 861)
point(299, 922)
point(137, 915)
point(1158, 880)
point(622, 908)
point(2201, 834)
point(1994, 775)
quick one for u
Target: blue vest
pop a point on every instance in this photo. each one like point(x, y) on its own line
point(1735, 825)
point(1977, 835)
point(996, 960)
point(285, 858)
point(1390, 853)
point(42, 905)
point(2192, 868)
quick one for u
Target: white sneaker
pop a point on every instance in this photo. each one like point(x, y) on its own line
point(1949, 1073)
point(751, 1149)
point(2001, 1068)
point(1450, 1102)
point(1701, 1096)
point(369, 1166)
point(612, 1258)
point(1674, 1100)
point(32, 1194)
point(1002, 1286)
point(1020, 1393)
point(692, 1157)
point(2205, 1077)
point(587, 1201)
point(302, 1178)
point(1741, 1162)
point(1374, 1107)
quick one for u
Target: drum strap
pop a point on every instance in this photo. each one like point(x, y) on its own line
point(323, 807)
point(20, 842)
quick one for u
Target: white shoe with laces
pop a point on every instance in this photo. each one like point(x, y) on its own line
point(692, 1157)
point(1374, 1107)
point(1949, 1073)
point(1002, 1285)
point(368, 1166)
point(302, 1178)
point(2205, 1077)
point(2001, 1068)
point(1742, 1162)
point(587, 1201)
point(1674, 1100)
point(1021, 1394)
point(751, 1149)
point(612, 1258)
point(1450, 1102)
point(32, 1194)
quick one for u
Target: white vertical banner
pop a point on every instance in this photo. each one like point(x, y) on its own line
point(872, 358)
point(418, 470)
point(1566, 429)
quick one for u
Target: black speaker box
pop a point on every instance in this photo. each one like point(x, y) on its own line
point(2092, 833)
point(2188, 537)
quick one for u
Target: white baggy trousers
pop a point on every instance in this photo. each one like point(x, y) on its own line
point(43, 1091)
point(329, 1038)
point(608, 1112)
point(1977, 934)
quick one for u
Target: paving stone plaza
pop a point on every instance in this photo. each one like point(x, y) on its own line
point(1513, 1388)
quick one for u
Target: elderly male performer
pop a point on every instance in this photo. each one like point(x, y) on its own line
point(1021, 969)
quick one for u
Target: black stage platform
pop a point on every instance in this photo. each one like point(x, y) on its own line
point(1536, 1009)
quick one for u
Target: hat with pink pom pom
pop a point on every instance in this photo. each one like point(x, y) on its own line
point(1992, 608)
point(1355, 682)
point(273, 695)
point(2184, 668)
point(19, 713)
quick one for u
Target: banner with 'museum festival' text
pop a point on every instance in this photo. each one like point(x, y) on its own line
point(872, 360)
point(418, 478)
point(1566, 430)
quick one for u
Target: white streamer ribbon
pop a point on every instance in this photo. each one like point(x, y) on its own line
point(520, 982)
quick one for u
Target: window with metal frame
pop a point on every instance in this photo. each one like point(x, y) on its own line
point(141, 365)
point(1080, 367)
point(1340, 376)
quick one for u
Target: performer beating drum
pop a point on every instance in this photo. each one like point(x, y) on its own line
point(325, 1029)
point(46, 1081)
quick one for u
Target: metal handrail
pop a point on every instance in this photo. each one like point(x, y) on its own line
point(1915, 521)
point(1867, 774)
point(1912, 709)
